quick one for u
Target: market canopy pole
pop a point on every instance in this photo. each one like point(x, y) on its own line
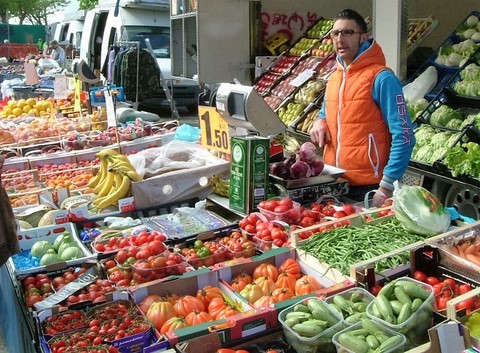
point(390, 30)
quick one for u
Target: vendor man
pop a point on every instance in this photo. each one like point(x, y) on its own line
point(57, 53)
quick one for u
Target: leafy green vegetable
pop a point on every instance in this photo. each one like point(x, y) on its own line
point(444, 114)
point(464, 159)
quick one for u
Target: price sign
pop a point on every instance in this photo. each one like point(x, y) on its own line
point(215, 134)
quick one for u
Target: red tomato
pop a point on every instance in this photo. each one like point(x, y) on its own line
point(281, 209)
point(250, 228)
point(270, 205)
point(432, 280)
point(339, 214)
point(437, 289)
point(286, 201)
point(449, 282)
point(463, 288)
point(375, 289)
point(348, 209)
point(442, 303)
point(465, 304)
point(419, 276)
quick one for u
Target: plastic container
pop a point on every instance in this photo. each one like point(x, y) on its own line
point(416, 326)
point(341, 348)
point(319, 343)
point(143, 272)
point(249, 252)
point(363, 296)
point(291, 216)
point(261, 244)
point(211, 260)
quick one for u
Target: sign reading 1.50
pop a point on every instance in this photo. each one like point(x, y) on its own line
point(214, 129)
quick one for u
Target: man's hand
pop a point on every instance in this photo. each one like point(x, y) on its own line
point(319, 133)
point(380, 196)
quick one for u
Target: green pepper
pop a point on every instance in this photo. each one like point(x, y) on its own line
point(198, 244)
point(203, 252)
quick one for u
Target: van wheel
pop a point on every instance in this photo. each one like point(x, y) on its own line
point(465, 200)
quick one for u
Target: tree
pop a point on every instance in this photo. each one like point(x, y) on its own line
point(87, 4)
point(35, 11)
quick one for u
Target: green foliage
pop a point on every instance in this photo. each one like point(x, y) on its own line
point(33, 11)
point(87, 4)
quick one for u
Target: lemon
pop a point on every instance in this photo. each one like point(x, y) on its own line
point(7, 111)
point(17, 111)
point(31, 102)
point(26, 108)
point(34, 112)
point(21, 103)
point(39, 107)
point(11, 102)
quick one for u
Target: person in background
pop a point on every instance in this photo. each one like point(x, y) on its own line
point(40, 45)
point(57, 53)
point(364, 125)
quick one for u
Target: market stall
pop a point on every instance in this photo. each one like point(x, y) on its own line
point(133, 239)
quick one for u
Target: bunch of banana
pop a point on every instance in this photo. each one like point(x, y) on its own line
point(220, 186)
point(114, 178)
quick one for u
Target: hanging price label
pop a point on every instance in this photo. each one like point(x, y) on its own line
point(215, 134)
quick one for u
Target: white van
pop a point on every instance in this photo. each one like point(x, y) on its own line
point(134, 22)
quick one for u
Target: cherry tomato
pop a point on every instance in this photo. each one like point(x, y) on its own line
point(419, 276)
point(432, 280)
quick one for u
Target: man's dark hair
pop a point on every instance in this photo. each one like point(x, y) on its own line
point(349, 14)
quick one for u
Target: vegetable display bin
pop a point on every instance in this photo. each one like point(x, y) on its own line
point(321, 342)
point(415, 328)
point(399, 348)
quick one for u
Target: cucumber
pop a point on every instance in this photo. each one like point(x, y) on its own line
point(325, 316)
point(315, 304)
point(416, 303)
point(387, 289)
point(372, 342)
point(405, 313)
point(291, 321)
point(301, 307)
point(375, 310)
point(307, 330)
point(401, 296)
point(359, 332)
point(389, 344)
point(396, 306)
point(356, 297)
point(368, 325)
point(353, 319)
point(332, 305)
point(299, 315)
point(416, 291)
point(343, 304)
point(353, 343)
point(385, 309)
point(360, 307)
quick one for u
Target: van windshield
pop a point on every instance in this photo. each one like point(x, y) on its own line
point(159, 38)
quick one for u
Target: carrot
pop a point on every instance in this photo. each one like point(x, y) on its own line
point(473, 258)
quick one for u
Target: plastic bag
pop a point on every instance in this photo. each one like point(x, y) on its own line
point(420, 211)
point(423, 84)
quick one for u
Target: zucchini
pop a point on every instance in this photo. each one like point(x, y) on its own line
point(389, 344)
point(353, 343)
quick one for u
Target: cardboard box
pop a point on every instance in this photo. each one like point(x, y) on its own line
point(248, 172)
point(176, 186)
point(244, 324)
point(227, 270)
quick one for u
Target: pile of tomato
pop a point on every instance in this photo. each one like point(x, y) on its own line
point(158, 267)
point(114, 241)
point(446, 289)
point(238, 244)
point(104, 324)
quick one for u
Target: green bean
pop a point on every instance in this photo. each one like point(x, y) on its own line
point(344, 246)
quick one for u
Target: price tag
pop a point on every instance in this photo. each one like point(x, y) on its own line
point(214, 130)
point(111, 118)
point(31, 74)
point(60, 87)
point(78, 90)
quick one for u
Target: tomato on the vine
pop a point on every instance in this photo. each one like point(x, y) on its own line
point(419, 276)
point(431, 280)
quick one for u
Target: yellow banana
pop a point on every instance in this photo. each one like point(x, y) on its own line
point(119, 157)
point(102, 172)
point(119, 193)
point(107, 152)
point(109, 179)
point(121, 165)
point(134, 176)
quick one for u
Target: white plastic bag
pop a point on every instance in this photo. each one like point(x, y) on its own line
point(418, 88)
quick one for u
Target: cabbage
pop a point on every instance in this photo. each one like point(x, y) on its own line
point(444, 114)
point(40, 248)
point(455, 124)
point(71, 253)
point(419, 211)
point(49, 258)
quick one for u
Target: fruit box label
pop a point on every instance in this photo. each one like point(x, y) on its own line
point(248, 172)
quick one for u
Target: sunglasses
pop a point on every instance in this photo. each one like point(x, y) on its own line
point(344, 32)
